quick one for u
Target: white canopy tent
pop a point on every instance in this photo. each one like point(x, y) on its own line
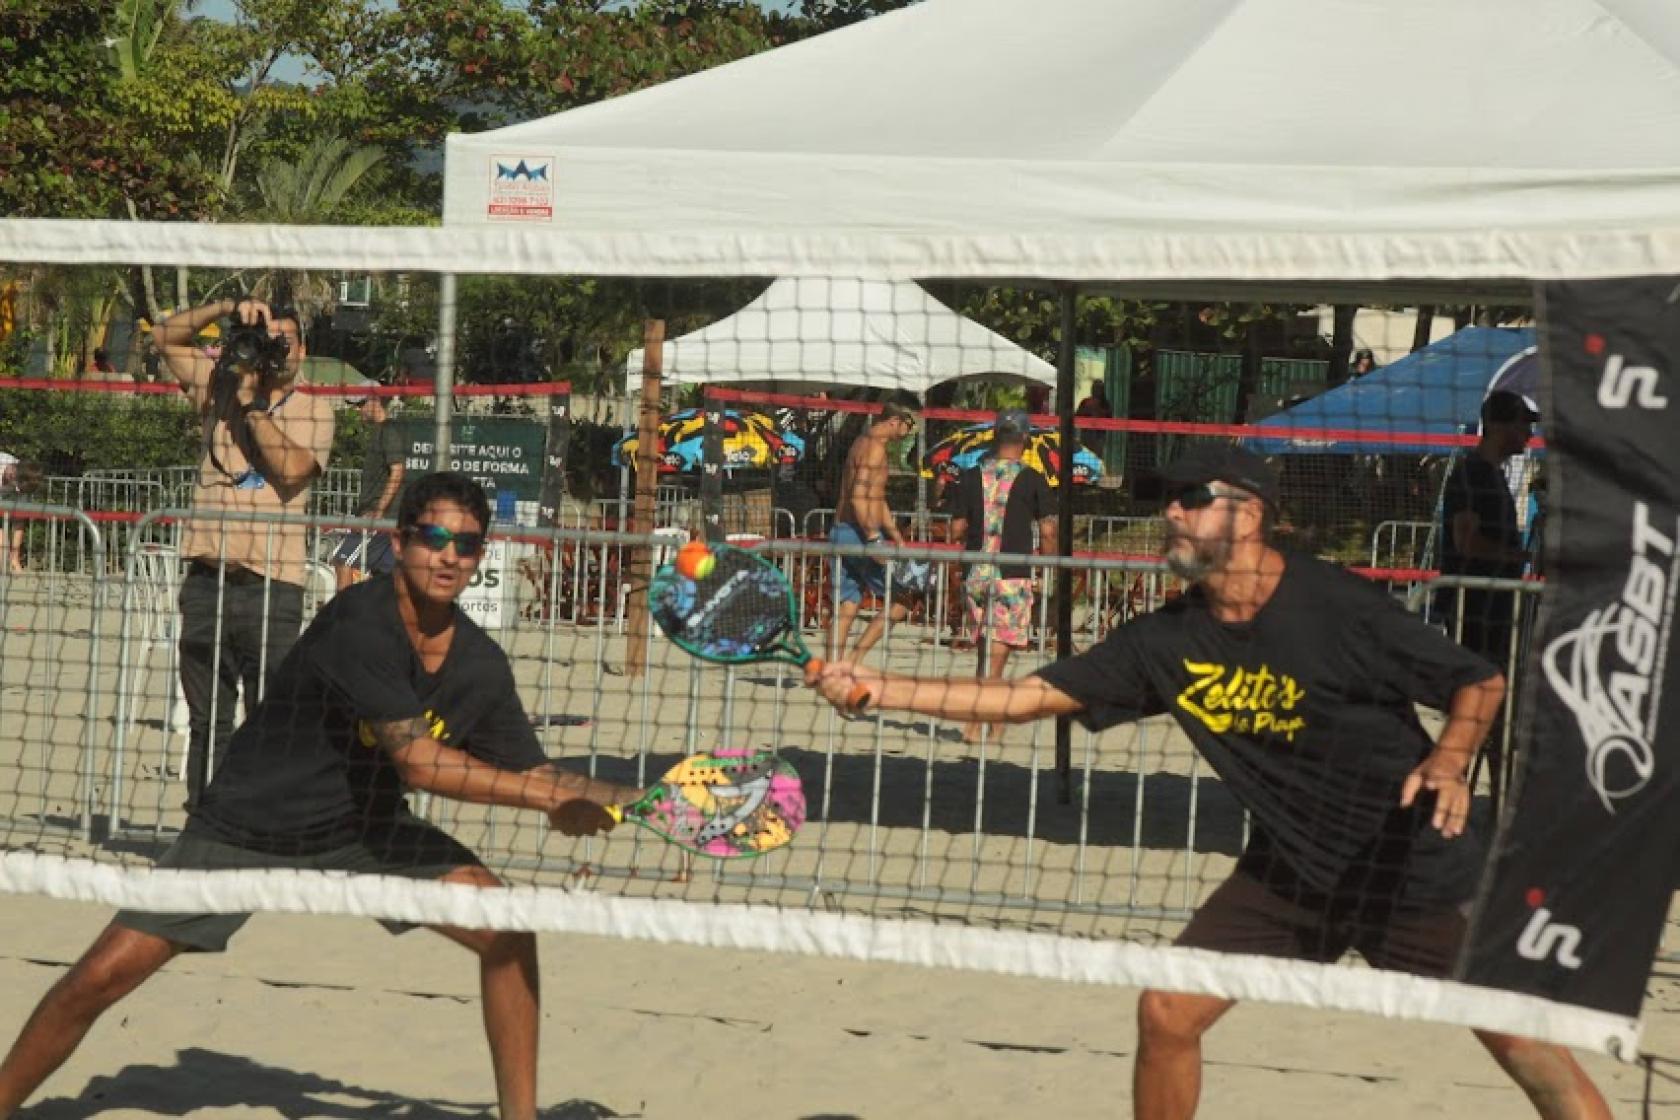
point(809, 333)
point(1133, 140)
point(1286, 142)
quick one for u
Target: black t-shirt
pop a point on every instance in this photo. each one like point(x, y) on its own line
point(302, 773)
point(1029, 501)
point(1480, 487)
point(386, 447)
point(1306, 713)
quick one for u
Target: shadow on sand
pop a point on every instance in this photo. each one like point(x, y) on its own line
point(205, 1079)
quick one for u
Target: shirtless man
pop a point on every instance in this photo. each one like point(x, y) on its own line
point(862, 517)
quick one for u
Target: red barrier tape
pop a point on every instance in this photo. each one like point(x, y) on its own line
point(52, 385)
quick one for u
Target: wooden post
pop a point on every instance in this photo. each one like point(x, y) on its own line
point(647, 487)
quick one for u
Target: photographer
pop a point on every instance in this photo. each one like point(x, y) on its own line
point(264, 445)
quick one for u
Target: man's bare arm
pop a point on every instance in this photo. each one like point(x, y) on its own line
point(423, 763)
point(393, 483)
point(1017, 700)
point(186, 362)
point(287, 465)
point(1469, 541)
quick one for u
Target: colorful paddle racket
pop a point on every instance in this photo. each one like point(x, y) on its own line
point(742, 610)
point(730, 804)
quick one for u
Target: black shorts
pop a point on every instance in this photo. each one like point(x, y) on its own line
point(409, 848)
point(1244, 916)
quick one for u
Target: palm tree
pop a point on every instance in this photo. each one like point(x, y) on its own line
point(306, 191)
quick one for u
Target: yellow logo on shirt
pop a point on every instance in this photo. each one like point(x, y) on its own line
point(434, 722)
point(1231, 699)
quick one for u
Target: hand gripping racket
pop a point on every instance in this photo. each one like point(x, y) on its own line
point(730, 804)
point(741, 611)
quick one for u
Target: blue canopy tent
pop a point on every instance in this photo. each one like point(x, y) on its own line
point(1435, 391)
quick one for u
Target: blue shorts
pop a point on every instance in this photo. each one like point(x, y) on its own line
point(366, 550)
point(856, 574)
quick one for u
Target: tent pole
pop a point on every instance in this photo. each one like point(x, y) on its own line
point(647, 483)
point(443, 388)
point(1064, 528)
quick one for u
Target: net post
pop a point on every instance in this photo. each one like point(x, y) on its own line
point(443, 388)
point(647, 482)
point(1069, 296)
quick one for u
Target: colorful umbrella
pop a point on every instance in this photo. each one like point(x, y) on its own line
point(751, 440)
point(966, 447)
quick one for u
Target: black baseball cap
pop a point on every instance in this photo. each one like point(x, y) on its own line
point(1224, 463)
point(1502, 406)
point(1011, 424)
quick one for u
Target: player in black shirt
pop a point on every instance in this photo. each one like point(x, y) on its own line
point(1297, 682)
point(391, 688)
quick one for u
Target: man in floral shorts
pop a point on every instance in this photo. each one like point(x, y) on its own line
point(997, 504)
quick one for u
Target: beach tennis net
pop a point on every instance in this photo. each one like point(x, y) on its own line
point(1068, 854)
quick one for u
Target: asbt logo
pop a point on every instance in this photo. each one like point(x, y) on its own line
point(1611, 688)
point(1543, 939)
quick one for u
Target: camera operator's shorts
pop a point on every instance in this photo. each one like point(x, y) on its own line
point(1244, 916)
point(409, 848)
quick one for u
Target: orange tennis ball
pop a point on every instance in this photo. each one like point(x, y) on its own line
point(695, 560)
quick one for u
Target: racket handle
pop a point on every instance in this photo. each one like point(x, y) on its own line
point(616, 812)
point(856, 702)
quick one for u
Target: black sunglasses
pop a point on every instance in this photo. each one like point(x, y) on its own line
point(1193, 498)
point(437, 538)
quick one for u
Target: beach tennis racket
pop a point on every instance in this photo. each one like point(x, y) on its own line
point(729, 804)
point(741, 611)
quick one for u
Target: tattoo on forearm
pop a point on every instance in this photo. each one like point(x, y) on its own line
point(397, 734)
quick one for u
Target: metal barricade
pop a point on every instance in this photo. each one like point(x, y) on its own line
point(54, 695)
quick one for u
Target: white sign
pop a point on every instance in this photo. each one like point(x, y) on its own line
point(491, 585)
point(521, 189)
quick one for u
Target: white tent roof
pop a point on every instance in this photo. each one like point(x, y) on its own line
point(1276, 141)
point(1122, 139)
point(811, 332)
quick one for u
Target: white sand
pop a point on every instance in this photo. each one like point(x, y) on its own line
point(332, 1017)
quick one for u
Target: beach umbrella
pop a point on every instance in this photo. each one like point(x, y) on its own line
point(751, 440)
point(969, 446)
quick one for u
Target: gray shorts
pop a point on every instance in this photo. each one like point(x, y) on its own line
point(409, 848)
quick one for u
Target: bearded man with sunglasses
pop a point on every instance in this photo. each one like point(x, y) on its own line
point(391, 688)
point(1298, 682)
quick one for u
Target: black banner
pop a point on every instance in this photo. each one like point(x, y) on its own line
point(1587, 860)
point(552, 491)
point(711, 469)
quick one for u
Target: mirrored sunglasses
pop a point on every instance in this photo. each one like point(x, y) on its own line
point(437, 538)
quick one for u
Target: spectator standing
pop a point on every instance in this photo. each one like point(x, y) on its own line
point(1480, 537)
point(997, 505)
point(11, 541)
point(1479, 533)
point(365, 551)
point(862, 516)
point(265, 443)
point(1094, 407)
